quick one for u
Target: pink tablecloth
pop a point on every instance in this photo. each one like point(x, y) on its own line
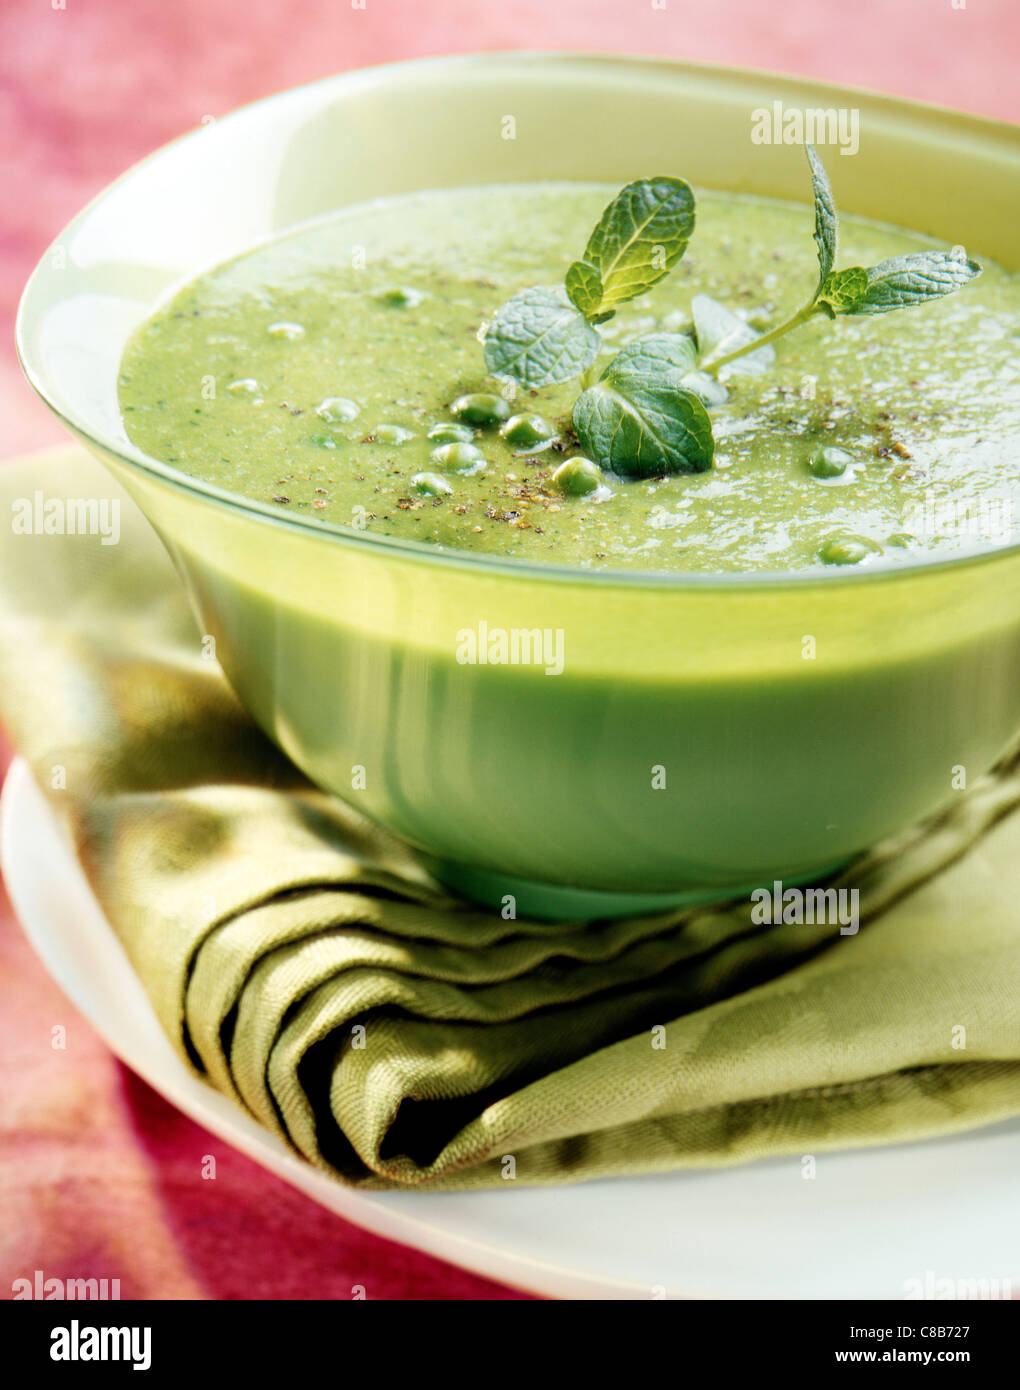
point(98, 1175)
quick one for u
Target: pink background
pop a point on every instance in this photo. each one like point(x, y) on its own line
point(97, 1174)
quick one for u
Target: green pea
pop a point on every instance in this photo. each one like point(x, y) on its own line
point(577, 477)
point(848, 550)
point(286, 331)
point(480, 409)
point(829, 462)
point(449, 433)
point(460, 457)
point(525, 431)
point(337, 409)
point(391, 434)
point(400, 297)
point(430, 484)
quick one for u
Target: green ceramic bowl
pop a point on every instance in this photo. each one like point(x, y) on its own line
point(343, 645)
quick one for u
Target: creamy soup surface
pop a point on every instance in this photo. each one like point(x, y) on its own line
point(317, 373)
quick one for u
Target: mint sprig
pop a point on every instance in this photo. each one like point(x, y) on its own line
point(539, 337)
point(639, 239)
point(647, 414)
point(826, 219)
point(842, 289)
point(897, 283)
point(546, 334)
point(902, 281)
point(639, 419)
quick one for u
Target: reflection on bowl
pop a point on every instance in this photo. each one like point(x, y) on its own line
point(658, 738)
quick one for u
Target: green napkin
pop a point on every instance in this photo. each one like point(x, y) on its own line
point(303, 962)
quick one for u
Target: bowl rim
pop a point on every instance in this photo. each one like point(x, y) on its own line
point(134, 459)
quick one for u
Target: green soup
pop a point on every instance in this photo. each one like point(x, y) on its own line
point(319, 373)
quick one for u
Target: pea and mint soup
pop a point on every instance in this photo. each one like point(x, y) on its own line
point(392, 368)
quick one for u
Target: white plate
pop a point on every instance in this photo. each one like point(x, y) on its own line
point(869, 1221)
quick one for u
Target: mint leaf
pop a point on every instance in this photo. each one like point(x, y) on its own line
point(639, 239)
point(719, 329)
point(843, 290)
point(584, 288)
point(656, 353)
point(903, 281)
point(640, 421)
point(826, 223)
point(537, 337)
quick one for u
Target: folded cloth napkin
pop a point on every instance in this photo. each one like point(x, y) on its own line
point(302, 961)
